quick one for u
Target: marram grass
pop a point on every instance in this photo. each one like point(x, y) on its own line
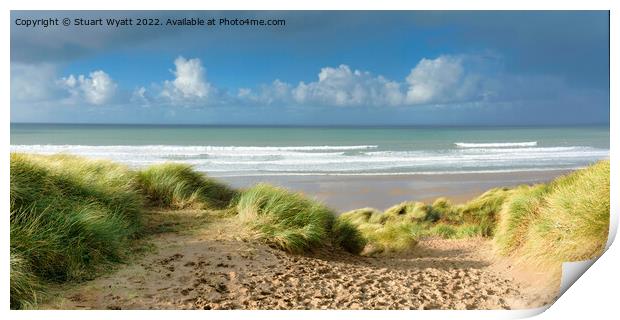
point(178, 186)
point(400, 226)
point(291, 222)
point(70, 216)
point(26, 288)
point(566, 220)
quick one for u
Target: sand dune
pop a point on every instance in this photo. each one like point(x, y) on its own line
point(214, 270)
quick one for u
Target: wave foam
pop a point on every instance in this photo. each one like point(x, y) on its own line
point(496, 144)
point(293, 160)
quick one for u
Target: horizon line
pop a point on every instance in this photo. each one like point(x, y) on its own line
point(313, 125)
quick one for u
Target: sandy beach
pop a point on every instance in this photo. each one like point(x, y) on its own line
point(348, 192)
point(213, 269)
point(195, 243)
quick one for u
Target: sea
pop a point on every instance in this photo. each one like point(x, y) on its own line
point(229, 151)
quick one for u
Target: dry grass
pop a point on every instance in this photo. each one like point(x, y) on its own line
point(566, 220)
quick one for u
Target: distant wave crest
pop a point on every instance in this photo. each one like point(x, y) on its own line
point(496, 144)
point(178, 148)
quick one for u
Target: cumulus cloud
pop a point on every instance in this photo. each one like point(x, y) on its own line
point(97, 88)
point(444, 79)
point(40, 83)
point(343, 86)
point(441, 80)
point(189, 82)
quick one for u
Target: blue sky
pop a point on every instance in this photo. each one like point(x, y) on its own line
point(321, 68)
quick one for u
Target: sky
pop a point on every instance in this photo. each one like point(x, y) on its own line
point(320, 68)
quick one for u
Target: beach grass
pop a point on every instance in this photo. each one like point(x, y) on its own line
point(363, 215)
point(70, 217)
point(347, 236)
point(178, 186)
point(286, 220)
point(412, 211)
point(399, 228)
point(26, 288)
point(483, 210)
point(565, 220)
point(291, 222)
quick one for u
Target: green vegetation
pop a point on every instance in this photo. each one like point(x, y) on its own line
point(178, 186)
point(68, 217)
point(399, 227)
point(291, 222)
point(517, 214)
point(411, 211)
point(25, 286)
point(359, 216)
point(347, 236)
point(565, 220)
point(71, 217)
point(483, 210)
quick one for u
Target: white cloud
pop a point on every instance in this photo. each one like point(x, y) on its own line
point(343, 86)
point(444, 79)
point(189, 82)
point(97, 88)
point(440, 80)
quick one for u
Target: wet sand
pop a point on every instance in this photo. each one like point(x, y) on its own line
point(214, 269)
point(347, 192)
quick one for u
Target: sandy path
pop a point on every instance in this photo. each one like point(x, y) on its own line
point(214, 270)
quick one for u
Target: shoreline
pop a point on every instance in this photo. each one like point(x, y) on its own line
point(348, 192)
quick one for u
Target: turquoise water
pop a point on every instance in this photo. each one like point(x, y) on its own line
point(315, 150)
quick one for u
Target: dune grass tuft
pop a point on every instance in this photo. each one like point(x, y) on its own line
point(293, 223)
point(400, 226)
point(391, 237)
point(26, 289)
point(70, 217)
point(484, 209)
point(178, 186)
point(412, 211)
point(348, 236)
point(565, 220)
point(363, 215)
point(395, 231)
point(519, 211)
point(287, 220)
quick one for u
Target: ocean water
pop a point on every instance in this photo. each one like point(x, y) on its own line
point(255, 151)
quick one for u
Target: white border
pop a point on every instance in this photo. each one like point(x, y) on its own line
point(593, 296)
